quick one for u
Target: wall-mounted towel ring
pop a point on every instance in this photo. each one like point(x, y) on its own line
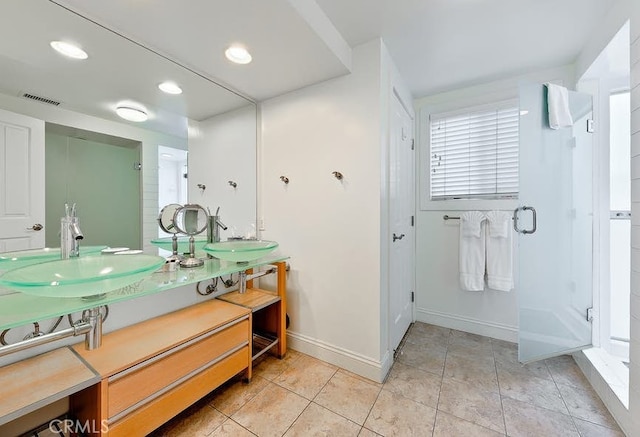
point(202, 187)
point(338, 175)
point(284, 179)
point(233, 184)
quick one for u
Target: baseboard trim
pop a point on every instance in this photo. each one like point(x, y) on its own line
point(468, 324)
point(351, 361)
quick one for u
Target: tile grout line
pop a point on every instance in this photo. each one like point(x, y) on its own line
point(229, 418)
point(562, 397)
point(370, 410)
point(310, 400)
point(297, 417)
point(341, 415)
point(444, 366)
point(495, 365)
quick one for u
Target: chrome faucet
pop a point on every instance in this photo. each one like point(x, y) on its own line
point(213, 227)
point(70, 233)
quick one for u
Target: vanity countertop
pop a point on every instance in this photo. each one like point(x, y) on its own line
point(18, 309)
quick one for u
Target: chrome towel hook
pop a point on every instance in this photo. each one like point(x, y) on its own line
point(233, 184)
point(338, 175)
point(284, 179)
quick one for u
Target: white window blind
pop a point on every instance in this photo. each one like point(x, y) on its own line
point(474, 153)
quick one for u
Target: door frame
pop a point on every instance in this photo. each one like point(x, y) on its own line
point(395, 95)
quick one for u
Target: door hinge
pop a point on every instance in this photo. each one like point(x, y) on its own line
point(590, 126)
point(413, 297)
point(413, 144)
point(589, 314)
point(412, 221)
point(137, 166)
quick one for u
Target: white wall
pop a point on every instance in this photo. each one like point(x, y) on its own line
point(602, 35)
point(439, 299)
point(330, 228)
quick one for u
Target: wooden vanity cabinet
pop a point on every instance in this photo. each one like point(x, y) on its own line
point(153, 370)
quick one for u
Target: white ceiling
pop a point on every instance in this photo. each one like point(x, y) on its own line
point(440, 45)
point(437, 45)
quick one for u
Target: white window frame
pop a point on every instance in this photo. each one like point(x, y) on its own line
point(426, 203)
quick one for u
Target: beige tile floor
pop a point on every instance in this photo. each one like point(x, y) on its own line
point(445, 383)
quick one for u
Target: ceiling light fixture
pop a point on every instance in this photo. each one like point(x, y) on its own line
point(170, 88)
point(238, 54)
point(68, 49)
point(166, 155)
point(132, 114)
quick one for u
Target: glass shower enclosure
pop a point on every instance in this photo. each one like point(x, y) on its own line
point(555, 219)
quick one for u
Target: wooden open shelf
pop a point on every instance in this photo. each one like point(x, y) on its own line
point(269, 310)
point(35, 382)
point(254, 298)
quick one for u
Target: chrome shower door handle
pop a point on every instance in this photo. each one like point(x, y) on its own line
point(397, 237)
point(534, 225)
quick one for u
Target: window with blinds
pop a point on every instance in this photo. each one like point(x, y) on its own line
point(474, 153)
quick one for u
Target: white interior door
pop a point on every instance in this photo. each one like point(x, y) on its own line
point(556, 214)
point(22, 197)
point(401, 192)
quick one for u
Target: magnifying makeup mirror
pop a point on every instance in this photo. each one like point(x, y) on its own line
point(166, 223)
point(191, 220)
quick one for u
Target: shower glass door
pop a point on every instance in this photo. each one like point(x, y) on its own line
point(554, 281)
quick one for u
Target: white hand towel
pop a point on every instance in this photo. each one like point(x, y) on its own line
point(499, 223)
point(472, 251)
point(471, 223)
point(499, 251)
point(558, 106)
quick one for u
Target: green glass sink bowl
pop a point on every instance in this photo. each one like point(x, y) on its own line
point(21, 258)
point(240, 250)
point(183, 243)
point(81, 277)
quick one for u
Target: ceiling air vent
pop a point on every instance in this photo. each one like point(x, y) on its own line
point(40, 99)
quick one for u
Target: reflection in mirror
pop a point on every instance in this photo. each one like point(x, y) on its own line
point(96, 172)
point(172, 176)
point(76, 101)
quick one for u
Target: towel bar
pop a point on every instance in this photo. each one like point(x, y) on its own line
point(451, 217)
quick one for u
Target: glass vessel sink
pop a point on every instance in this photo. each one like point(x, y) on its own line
point(81, 277)
point(21, 258)
point(183, 243)
point(240, 250)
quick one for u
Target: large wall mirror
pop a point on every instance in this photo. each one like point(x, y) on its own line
point(112, 168)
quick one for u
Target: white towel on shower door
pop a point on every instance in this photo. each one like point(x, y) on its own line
point(499, 251)
point(472, 251)
point(558, 106)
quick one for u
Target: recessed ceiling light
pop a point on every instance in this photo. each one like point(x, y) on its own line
point(170, 88)
point(132, 114)
point(69, 49)
point(238, 54)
